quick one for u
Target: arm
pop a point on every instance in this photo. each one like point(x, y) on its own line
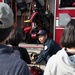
point(40, 58)
point(43, 55)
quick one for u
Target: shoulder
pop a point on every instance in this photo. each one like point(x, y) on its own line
point(48, 41)
point(55, 44)
point(22, 67)
point(52, 63)
point(53, 58)
point(18, 62)
point(51, 40)
point(16, 59)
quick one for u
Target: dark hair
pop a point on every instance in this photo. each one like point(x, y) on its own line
point(15, 39)
point(68, 37)
point(4, 33)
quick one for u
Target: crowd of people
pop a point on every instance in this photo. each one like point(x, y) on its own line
point(14, 60)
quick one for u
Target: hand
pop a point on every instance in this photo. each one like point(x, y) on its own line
point(32, 62)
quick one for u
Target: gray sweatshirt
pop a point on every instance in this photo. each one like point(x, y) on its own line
point(60, 64)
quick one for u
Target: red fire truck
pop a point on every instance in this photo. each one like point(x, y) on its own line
point(63, 11)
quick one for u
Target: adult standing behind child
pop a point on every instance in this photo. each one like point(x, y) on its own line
point(9, 64)
point(15, 40)
point(63, 62)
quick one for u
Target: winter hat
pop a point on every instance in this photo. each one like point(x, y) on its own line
point(6, 16)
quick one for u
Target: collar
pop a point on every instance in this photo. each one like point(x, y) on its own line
point(46, 41)
point(5, 49)
point(67, 58)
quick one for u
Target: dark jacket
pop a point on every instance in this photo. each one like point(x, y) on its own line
point(11, 65)
point(23, 54)
point(50, 48)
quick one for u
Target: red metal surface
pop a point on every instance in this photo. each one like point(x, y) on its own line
point(0, 0)
point(71, 12)
point(59, 30)
point(58, 35)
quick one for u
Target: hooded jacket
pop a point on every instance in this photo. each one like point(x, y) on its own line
point(11, 64)
point(60, 64)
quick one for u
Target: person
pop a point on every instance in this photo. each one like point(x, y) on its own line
point(50, 47)
point(14, 40)
point(63, 62)
point(9, 64)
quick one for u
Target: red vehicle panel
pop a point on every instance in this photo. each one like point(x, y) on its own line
point(59, 29)
point(0, 0)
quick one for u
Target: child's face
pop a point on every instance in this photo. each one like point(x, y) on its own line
point(42, 38)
